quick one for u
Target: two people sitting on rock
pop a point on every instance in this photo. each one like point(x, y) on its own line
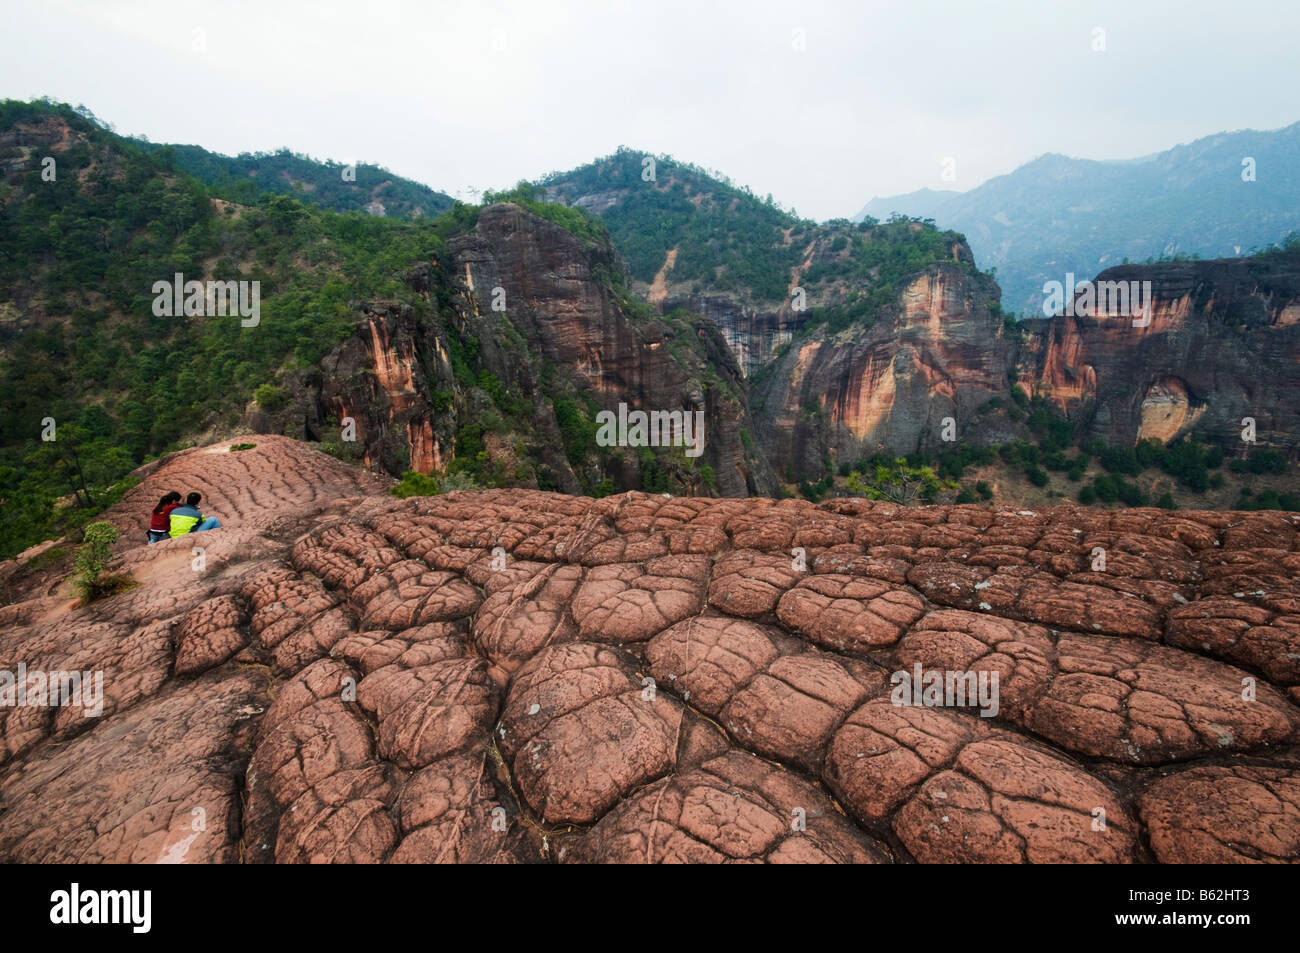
point(172, 518)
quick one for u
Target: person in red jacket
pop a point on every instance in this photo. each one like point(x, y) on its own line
point(159, 523)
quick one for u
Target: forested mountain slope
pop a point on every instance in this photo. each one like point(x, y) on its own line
point(362, 187)
point(394, 325)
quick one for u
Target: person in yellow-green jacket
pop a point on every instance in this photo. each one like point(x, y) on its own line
point(189, 519)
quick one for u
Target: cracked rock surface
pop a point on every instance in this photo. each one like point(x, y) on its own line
point(514, 676)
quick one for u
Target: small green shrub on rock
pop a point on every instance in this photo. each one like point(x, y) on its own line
point(416, 484)
point(92, 582)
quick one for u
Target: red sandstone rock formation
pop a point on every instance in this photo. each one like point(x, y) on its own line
point(395, 378)
point(1221, 343)
point(516, 676)
point(940, 352)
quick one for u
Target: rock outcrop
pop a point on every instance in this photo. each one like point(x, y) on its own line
point(568, 317)
point(1222, 343)
point(538, 305)
point(510, 676)
point(384, 379)
point(939, 353)
point(753, 333)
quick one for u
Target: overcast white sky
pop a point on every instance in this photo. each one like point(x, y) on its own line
point(479, 95)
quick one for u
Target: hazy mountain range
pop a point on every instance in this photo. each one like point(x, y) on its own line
point(1057, 214)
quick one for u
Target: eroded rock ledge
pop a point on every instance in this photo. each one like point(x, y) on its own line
point(515, 676)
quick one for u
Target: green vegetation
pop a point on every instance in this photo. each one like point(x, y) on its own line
point(472, 458)
point(952, 462)
point(419, 484)
point(730, 241)
point(1109, 488)
point(96, 549)
point(1194, 465)
point(416, 484)
point(235, 447)
point(1052, 449)
point(250, 178)
point(1190, 462)
point(269, 397)
point(1268, 500)
point(459, 481)
point(727, 238)
point(900, 482)
point(1259, 462)
point(578, 434)
point(107, 584)
point(816, 491)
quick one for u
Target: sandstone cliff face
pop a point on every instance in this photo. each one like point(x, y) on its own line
point(752, 334)
point(1223, 343)
point(382, 379)
point(536, 301)
point(567, 317)
point(940, 353)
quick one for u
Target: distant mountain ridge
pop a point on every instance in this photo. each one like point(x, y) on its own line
point(1058, 214)
point(923, 203)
